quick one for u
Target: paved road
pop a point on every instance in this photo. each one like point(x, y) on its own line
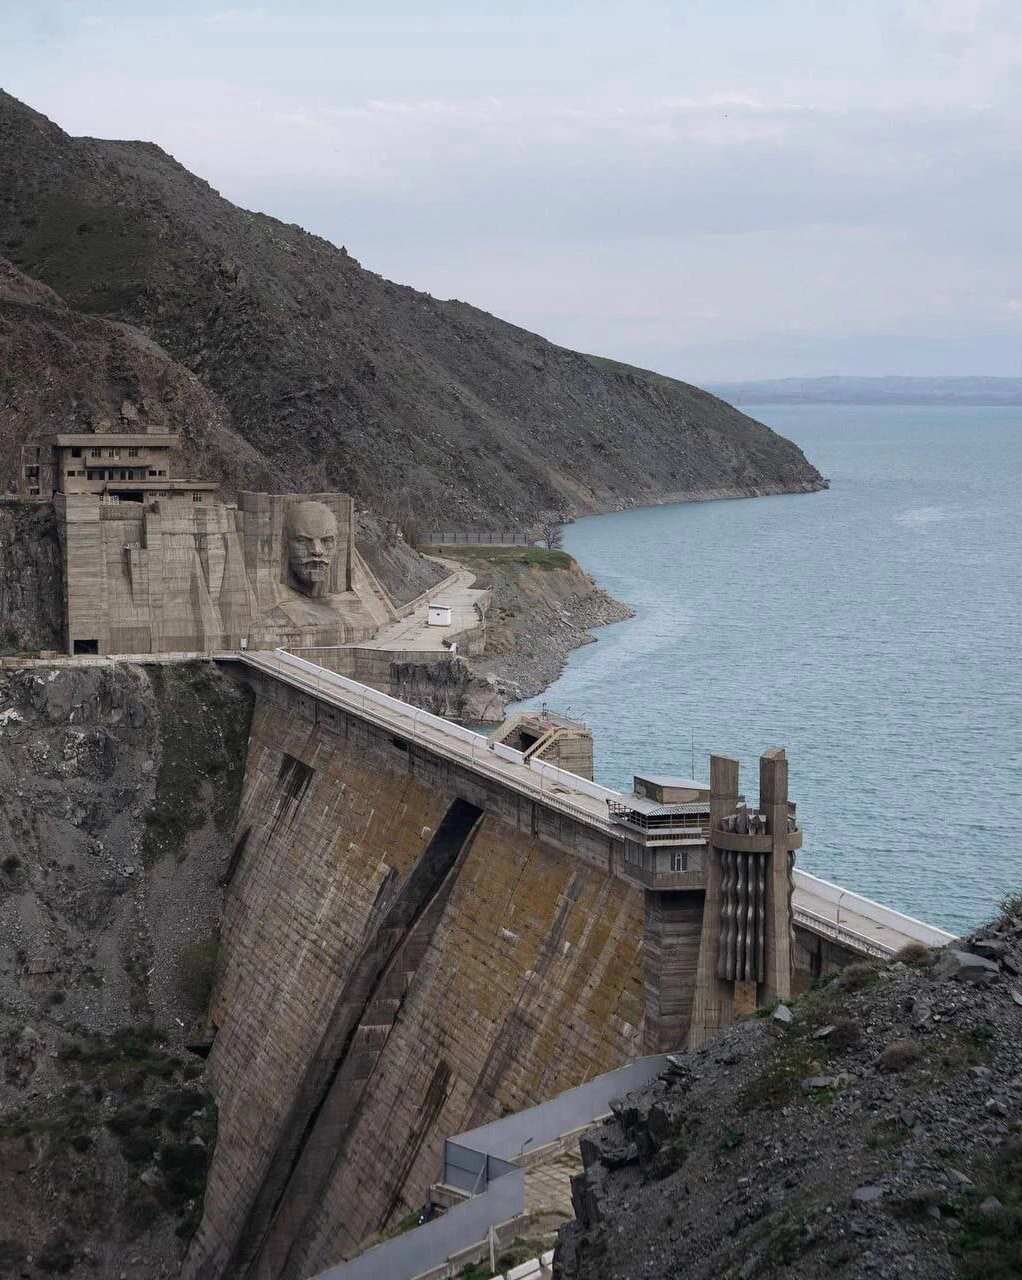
point(414, 631)
point(823, 907)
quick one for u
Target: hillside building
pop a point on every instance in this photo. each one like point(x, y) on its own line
point(114, 466)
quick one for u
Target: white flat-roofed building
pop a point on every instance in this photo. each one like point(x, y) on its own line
point(438, 615)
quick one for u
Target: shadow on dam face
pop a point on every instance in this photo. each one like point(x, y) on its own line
point(313, 1140)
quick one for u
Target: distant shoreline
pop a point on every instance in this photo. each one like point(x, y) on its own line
point(977, 391)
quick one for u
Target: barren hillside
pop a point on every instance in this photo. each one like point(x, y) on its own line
point(340, 379)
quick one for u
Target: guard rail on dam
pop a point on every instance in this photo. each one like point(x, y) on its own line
point(852, 921)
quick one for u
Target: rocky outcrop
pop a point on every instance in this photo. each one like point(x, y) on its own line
point(543, 606)
point(31, 579)
point(402, 572)
point(344, 381)
point(449, 689)
point(120, 785)
point(119, 789)
point(874, 1132)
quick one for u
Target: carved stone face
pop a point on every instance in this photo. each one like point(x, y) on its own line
point(311, 546)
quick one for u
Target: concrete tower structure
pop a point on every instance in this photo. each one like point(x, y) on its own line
point(745, 952)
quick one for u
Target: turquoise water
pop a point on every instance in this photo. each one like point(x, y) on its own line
point(873, 630)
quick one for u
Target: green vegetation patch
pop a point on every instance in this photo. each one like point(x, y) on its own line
point(952, 1057)
point(781, 1082)
point(204, 728)
point(531, 557)
point(196, 972)
point(97, 257)
point(1010, 907)
point(989, 1246)
point(886, 1134)
point(776, 1243)
point(148, 1102)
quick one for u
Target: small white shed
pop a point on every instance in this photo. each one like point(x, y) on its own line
point(439, 615)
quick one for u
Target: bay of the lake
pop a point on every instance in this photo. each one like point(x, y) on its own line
point(873, 630)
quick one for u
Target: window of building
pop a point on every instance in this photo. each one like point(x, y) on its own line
point(196, 497)
point(95, 453)
point(76, 452)
point(679, 859)
point(152, 473)
point(133, 453)
point(161, 473)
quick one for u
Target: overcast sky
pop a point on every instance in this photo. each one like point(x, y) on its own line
point(714, 188)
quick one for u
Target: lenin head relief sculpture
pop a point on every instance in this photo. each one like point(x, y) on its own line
point(311, 535)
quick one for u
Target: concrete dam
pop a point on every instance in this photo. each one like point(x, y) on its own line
point(423, 932)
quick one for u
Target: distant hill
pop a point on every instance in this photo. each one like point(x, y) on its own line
point(330, 376)
point(837, 390)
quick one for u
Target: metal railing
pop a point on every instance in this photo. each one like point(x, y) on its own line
point(841, 933)
point(396, 716)
point(479, 538)
point(485, 1164)
point(554, 789)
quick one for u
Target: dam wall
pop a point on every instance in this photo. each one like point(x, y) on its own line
point(407, 953)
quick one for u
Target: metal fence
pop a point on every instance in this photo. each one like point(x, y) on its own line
point(514, 1136)
point(480, 538)
point(480, 1162)
point(427, 1246)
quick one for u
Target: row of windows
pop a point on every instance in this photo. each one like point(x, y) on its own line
point(76, 452)
point(125, 473)
point(154, 493)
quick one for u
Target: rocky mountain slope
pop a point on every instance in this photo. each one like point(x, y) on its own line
point(121, 786)
point(61, 370)
point(874, 1130)
point(336, 377)
point(31, 579)
point(543, 605)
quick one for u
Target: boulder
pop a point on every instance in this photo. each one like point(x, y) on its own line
point(991, 948)
point(867, 1195)
point(965, 966)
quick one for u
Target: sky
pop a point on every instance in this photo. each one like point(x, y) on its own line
point(717, 189)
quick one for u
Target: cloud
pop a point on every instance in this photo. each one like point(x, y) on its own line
point(628, 184)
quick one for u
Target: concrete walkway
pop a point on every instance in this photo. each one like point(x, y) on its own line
point(548, 1185)
point(414, 631)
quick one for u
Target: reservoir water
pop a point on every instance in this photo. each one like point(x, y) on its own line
point(873, 630)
